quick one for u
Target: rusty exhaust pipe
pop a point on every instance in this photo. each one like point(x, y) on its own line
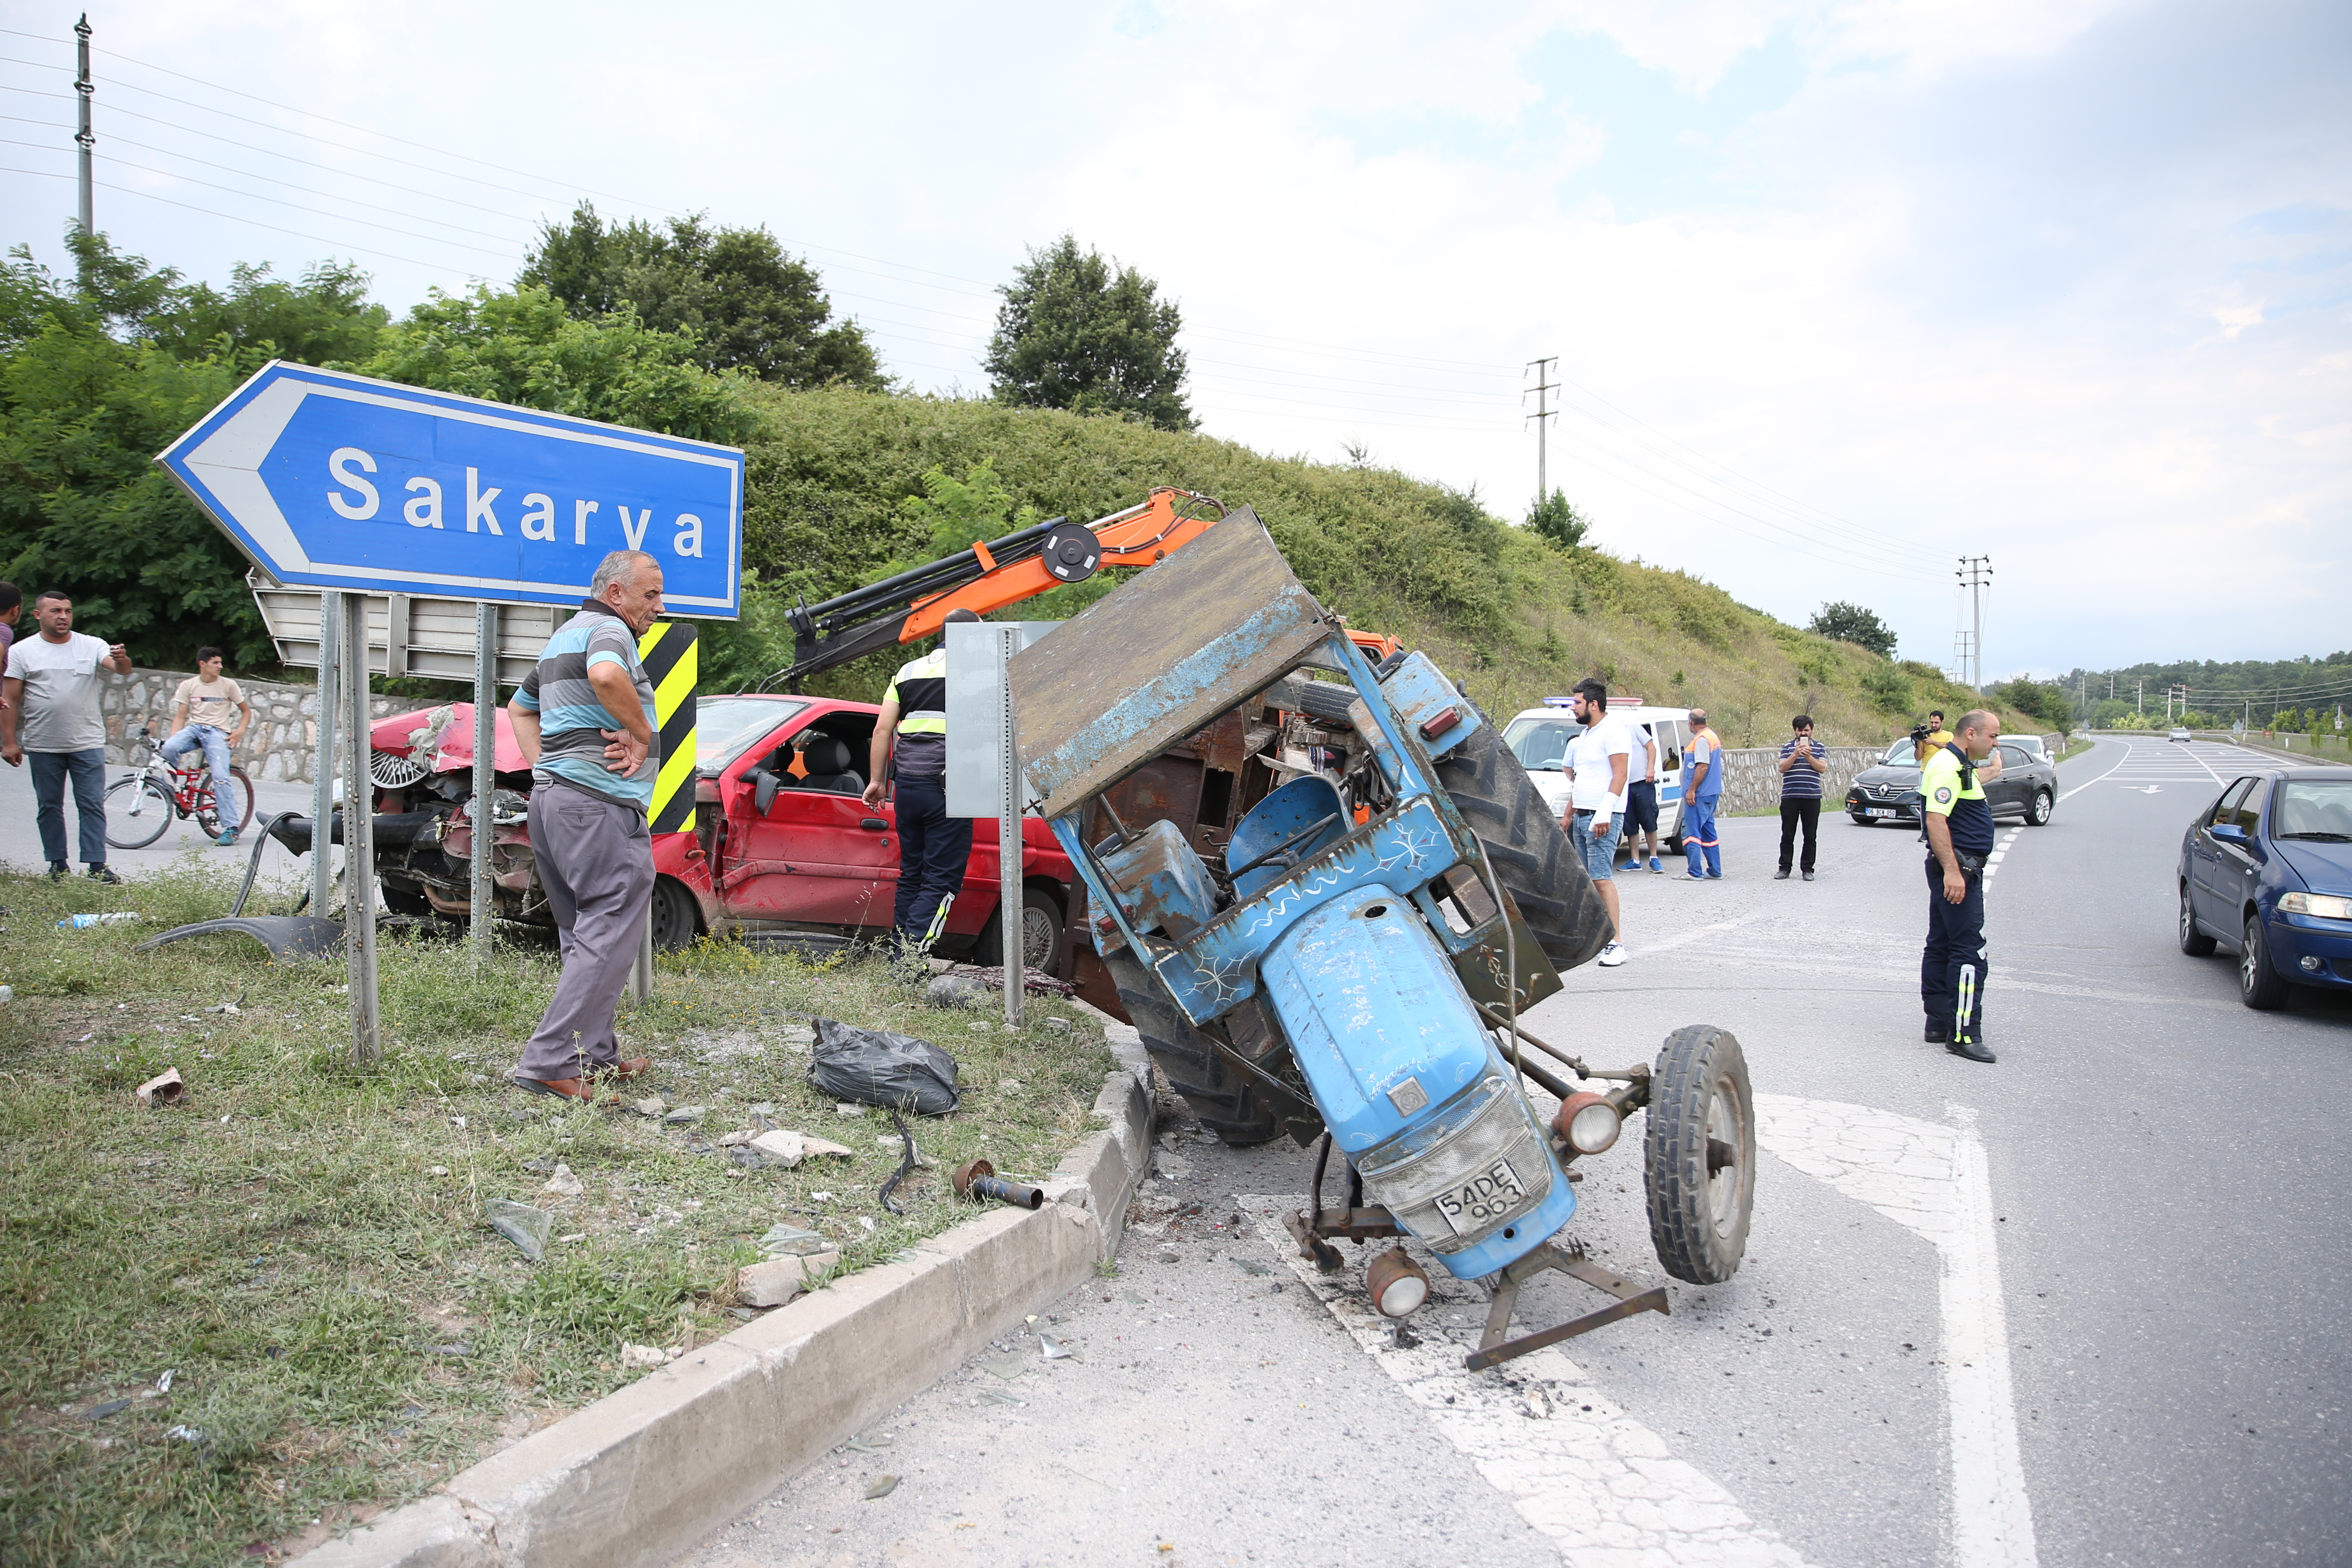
point(977, 1179)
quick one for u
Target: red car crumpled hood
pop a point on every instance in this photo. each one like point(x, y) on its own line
point(453, 747)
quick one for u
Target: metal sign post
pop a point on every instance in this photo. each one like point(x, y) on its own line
point(359, 846)
point(1009, 913)
point(482, 908)
point(322, 761)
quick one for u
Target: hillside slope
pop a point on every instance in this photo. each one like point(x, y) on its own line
point(1513, 618)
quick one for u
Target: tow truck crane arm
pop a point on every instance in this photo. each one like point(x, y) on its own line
point(990, 575)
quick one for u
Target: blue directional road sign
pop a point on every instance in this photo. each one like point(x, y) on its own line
point(333, 480)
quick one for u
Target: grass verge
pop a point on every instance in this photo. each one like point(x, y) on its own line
point(302, 1246)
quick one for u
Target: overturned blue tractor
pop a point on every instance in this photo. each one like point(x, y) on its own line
point(1349, 964)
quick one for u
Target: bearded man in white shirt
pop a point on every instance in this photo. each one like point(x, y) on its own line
point(1596, 767)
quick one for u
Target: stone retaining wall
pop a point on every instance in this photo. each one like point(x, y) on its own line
point(280, 744)
point(1751, 774)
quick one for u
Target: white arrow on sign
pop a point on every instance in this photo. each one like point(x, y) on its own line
point(333, 480)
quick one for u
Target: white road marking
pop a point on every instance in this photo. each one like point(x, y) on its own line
point(1932, 1180)
point(2088, 783)
point(1605, 1487)
point(1701, 932)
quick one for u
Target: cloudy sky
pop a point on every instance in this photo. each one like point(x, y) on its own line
point(1839, 292)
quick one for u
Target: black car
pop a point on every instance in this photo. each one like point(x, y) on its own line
point(1888, 791)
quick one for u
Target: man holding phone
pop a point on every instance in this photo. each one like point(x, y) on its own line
point(1803, 762)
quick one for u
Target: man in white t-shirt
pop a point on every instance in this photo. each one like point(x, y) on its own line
point(50, 713)
point(209, 710)
point(1596, 767)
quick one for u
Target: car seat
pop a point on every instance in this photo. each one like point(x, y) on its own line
point(831, 767)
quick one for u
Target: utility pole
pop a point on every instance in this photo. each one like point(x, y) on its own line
point(83, 86)
point(2140, 698)
point(1976, 575)
point(1543, 415)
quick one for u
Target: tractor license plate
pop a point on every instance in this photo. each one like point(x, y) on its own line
point(1877, 811)
point(1484, 1199)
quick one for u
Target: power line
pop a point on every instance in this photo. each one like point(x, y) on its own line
point(272, 153)
point(258, 196)
point(254, 223)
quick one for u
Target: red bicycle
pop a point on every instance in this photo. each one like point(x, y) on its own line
point(141, 805)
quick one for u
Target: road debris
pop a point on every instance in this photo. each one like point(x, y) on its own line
point(686, 1116)
point(644, 1358)
point(526, 1227)
point(791, 1239)
point(955, 990)
point(563, 1184)
point(976, 1180)
point(653, 1106)
point(779, 1278)
point(881, 1486)
point(163, 1089)
point(877, 1068)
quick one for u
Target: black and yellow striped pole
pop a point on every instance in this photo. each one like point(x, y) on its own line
point(668, 653)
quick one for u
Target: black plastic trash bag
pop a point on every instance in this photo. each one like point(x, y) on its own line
point(879, 1068)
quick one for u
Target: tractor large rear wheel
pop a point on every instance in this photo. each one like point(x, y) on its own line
point(1533, 859)
point(1224, 1101)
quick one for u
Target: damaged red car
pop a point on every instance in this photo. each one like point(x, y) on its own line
point(784, 851)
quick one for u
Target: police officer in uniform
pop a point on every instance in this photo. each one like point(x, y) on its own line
point(933, 848)
point(1958, 823)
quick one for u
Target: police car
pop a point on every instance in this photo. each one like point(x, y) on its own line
point(1539, 737)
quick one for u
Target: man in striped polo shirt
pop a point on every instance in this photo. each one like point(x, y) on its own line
point(1802, 763)
point(583, 718)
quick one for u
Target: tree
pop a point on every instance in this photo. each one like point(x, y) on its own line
point(100, 373)
point(749, 305)
point(1560, 524)
point(524, 348)
point(1842, 622)
point(2044, 700)
point(1080, 332)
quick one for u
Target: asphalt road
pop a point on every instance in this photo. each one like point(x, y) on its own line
point(20, 839)
point(2080, 1307)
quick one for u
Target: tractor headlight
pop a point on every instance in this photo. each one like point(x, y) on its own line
point(1589, 1122)
point(2326, 906)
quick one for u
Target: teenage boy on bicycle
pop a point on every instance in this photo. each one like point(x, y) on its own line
point(201, 710)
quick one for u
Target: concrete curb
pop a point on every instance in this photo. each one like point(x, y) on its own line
point(643, 1473)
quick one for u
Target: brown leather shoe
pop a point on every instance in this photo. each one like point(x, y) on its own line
point(561, 1088)
point(627, 1068)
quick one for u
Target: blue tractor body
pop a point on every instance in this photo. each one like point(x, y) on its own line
point(1357, 923)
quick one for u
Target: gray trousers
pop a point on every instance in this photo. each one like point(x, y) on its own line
point(596, 866)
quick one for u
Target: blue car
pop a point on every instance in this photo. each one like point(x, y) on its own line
point(2266, 872)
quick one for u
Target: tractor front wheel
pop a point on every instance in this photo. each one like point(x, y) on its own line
point(1698, 1154)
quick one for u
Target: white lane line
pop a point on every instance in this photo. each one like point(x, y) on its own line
point(1686, 938)
point(1605, 1489)
point(1999, 850)
point(2088, 783)
point(1932, 1179)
